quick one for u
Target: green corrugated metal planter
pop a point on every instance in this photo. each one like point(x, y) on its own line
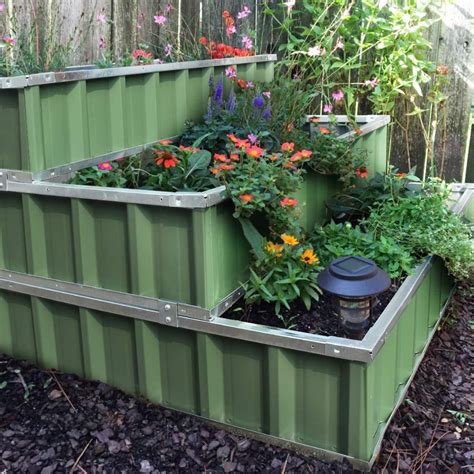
point(328, 393)
point(56, 119)
point(372, 142)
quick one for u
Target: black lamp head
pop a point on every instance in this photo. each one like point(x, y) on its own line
point(353, 277)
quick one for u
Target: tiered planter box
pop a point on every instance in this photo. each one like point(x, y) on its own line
point(52, 121)
point(333, 395)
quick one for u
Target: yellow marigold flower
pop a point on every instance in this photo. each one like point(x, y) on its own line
point(289, 239)
point(309, 257)
point(273, 248)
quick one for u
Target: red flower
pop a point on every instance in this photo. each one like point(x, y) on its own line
point(221, 157)
point(287, 146)
point(203, 40)
point(241, 83)
point(324, 131)
point(225, 14)
point(401, 175)
point(362, 173)
point(288, 202)
point(234, 157)
point(167, 159)
point(254, 151)
point(226, 167)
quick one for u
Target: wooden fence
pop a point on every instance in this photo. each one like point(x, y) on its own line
point(129, 23)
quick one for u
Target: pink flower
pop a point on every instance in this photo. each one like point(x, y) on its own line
point(168, 8)
point(139, 27)
point(244, 13)
point(160, 19)
point(230, 72)
point(101, 43)
point(372, 83)
point(2, 7)
point(247, 42)
point(252, 138)
point(267, 94)
point(230, 30)
point(9, 40)
point(289, 5)
point(339, 44)
point(338, 95)
point(327, 109)
point(101, 18)
point(249, 85)
point(314, 51)
point(168, 50)
point(104, 166)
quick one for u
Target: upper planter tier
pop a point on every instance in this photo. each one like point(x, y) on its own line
point(50, 121)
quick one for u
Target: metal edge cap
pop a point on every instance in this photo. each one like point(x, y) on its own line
point(353, 277)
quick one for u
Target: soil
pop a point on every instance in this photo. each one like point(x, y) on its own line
point(54, 422)
point(321, 319)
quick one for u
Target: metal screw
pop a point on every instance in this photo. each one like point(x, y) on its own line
point(1, 174)
point(168, 319)
point(167, 307)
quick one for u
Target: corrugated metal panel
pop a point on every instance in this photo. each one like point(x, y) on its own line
point(332, 404)
point(55, 124)
point(188, 256)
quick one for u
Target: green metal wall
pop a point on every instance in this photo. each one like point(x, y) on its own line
point(50, 125)
point(187, 256)
point(329, 403)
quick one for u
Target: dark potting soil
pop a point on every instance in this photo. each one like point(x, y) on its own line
point(321, 319)
point(51, 426)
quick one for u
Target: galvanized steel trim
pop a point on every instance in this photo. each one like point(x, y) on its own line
point(69, 75)
point(185, 200)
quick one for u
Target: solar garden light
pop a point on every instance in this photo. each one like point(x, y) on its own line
point(355, 281)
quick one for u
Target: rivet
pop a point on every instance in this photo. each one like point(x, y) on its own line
point(1, 185)
point(168, 319)
point(1, 173)
point(337, 351)
point(167, 307)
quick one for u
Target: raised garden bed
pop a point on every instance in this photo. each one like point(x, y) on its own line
point(332, 394)
point(51, 121)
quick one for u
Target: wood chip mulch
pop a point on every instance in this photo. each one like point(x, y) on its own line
point(54, 422)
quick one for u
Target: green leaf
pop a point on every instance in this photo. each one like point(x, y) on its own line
point(198, 161)
point(254, 238)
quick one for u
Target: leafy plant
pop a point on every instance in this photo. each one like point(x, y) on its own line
point(339, 240)
point(424, 225)
point(283, 273)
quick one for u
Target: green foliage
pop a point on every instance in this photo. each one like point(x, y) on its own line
point(354, 203)
point(333, 156)
point(162, 168)
point(424, 225)
point(339, 240)
point(284, 273)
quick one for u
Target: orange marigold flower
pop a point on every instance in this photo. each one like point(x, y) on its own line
point(287, 146)
point(226, 14)
point(215, 170)
point(314, 119)
point(221, 157)
point(165, 142)
point(306, 153)
point(289, 202)
point(275, 249)
point(324, 131)
point(232, 138)
point(227, 167)
point(273, 157)
point(246, 198)
point(362, 173)
point(289, 239)
point(234, 157)
point(254, 151)
point(167, 159)
point(309, 257)
point(401, 175)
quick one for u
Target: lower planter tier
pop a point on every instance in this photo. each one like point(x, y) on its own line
point(331, 394)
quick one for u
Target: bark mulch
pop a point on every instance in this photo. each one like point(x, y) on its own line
point(54, 422)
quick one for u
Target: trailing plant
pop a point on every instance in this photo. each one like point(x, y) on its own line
point(339, 240)
point(424, 225)
point(285, 271)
